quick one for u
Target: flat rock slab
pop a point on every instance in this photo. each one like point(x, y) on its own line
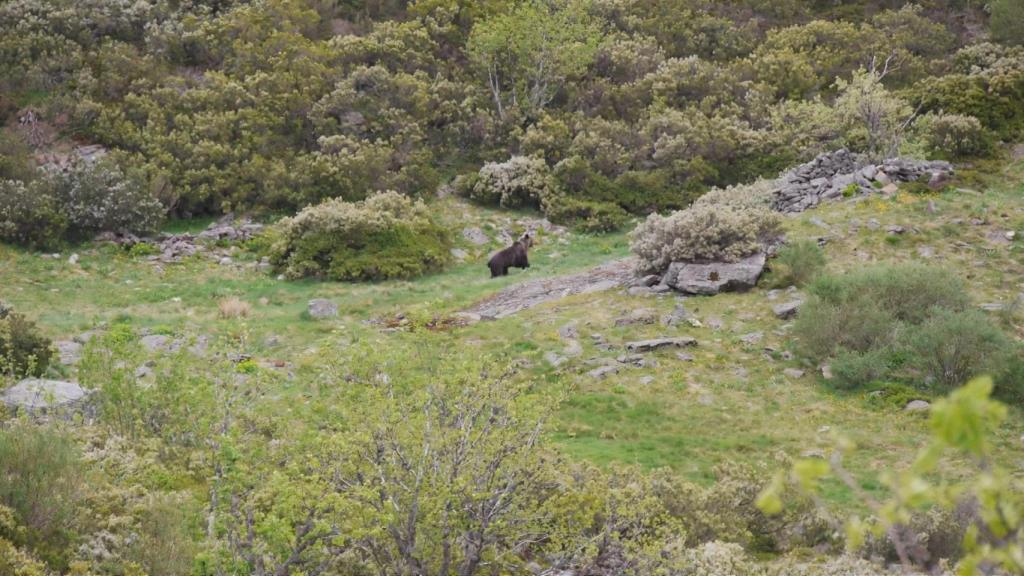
point(321, 308)
point(70, 352)
point(656, 343)
point(535, 292)
point(711, 278)
point(40, 396)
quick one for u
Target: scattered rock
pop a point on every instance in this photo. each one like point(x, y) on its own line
point(678, 315)
point(645, 380)
point(715, 277)
point(73, 259)
point(890, 189)
point(321, 308)
point(572, 349)
point(69, 351)
point(603, 371)
point(656, 343)
point(554, 359)
point(38, 397)
point(569, 331)
point(925, 251)
point(793, 372)
point(475, 236)
point(787, 310)
point(225, 261)
point(641, 316)
point(752, 338)
point(159, 343)
point(917, 406)
point(895, 229)
point(459, 254)
point(648, 281)
point(684, 356)
point(826, 371)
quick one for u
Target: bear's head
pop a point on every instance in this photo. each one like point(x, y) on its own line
point(526, 240)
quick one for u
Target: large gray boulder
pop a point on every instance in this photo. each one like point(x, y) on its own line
point(36, 396)
point(714, 277)
point(656, 343)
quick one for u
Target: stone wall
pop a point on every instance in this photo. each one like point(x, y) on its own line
point(834, 174)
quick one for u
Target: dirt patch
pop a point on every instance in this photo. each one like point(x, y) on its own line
point(529, 294)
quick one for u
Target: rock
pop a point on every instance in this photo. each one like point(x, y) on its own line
point(73, 259)
point(640, 291)
point(69, 351)
point(938, 180)
point(917, 406)
point(645, 380)
point(37, 396)
point(677, 316)
point(712, 278)
point(994, 307)
point(826, 371)
point(321, 308)
point(1010, 235)
point(895, 229)
point(159, 343)
point(684, 356)
point(225, 261)
point(468, 317)
point(459, 254)
point(882, 178)
point(272, 341)
point(817, 453)
point(568, 331)
point(639, 316)
point(602, 371)
point(648, 281)
point(931, 208)
point(787, 310)
point(572, 349)
point(874, 224)
point(925, 251)
point(660, 289)
point(475, 236)
point(752, 338)
point(890, 189)
point(656, 343)
point(554, 359)
point(793, 372)
point(819, 223)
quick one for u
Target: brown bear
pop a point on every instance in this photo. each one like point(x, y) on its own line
point(514, 255)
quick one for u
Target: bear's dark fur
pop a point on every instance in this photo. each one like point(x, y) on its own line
point(513, 256)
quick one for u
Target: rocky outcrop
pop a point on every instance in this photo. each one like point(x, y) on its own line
point(39, 397)
point(713, 277)
point(656, 343)
point(841, 173)
point(321, 308)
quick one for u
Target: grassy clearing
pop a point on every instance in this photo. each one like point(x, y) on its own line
point(732, 401)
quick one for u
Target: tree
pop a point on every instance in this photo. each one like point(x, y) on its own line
point(528, 51)
point(1007, 21)
point(874, 119)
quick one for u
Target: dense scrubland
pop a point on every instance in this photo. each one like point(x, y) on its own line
point(252, 236)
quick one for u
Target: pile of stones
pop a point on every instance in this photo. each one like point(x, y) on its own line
point(833, 175)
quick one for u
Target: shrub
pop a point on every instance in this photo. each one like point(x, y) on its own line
point(233, 307)
point(797, 264)
point(385, 236)
point(951, 347)
point(29, 214)
point(861, 311)
point(519, 181)
point(96, 197)
point(954, 135)
point(702, 233)
point(1007, 21)
point(586, 215)
point(40, 475)
point(753, 196)
point(852, 370)
point(23, 350)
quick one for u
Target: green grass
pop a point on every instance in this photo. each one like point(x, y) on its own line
point(732, 402)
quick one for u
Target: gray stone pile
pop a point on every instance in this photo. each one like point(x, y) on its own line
point(833, 175)
point(174, 247)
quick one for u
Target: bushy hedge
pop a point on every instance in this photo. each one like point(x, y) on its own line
point(76, 203)
point(385, 236)
point(702, 233)
point(23, 350)
point(903, 323)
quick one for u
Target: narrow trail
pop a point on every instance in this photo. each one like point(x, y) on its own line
point(534, 292)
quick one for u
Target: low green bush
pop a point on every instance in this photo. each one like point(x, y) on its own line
point(385, 236)
point(853, 370)
point(954, 135)
point(23, 350)
point(40, 480)
point(951, 347)
point(29, 214)
point(797, 264)
point(586, 215)
point(521, 181)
